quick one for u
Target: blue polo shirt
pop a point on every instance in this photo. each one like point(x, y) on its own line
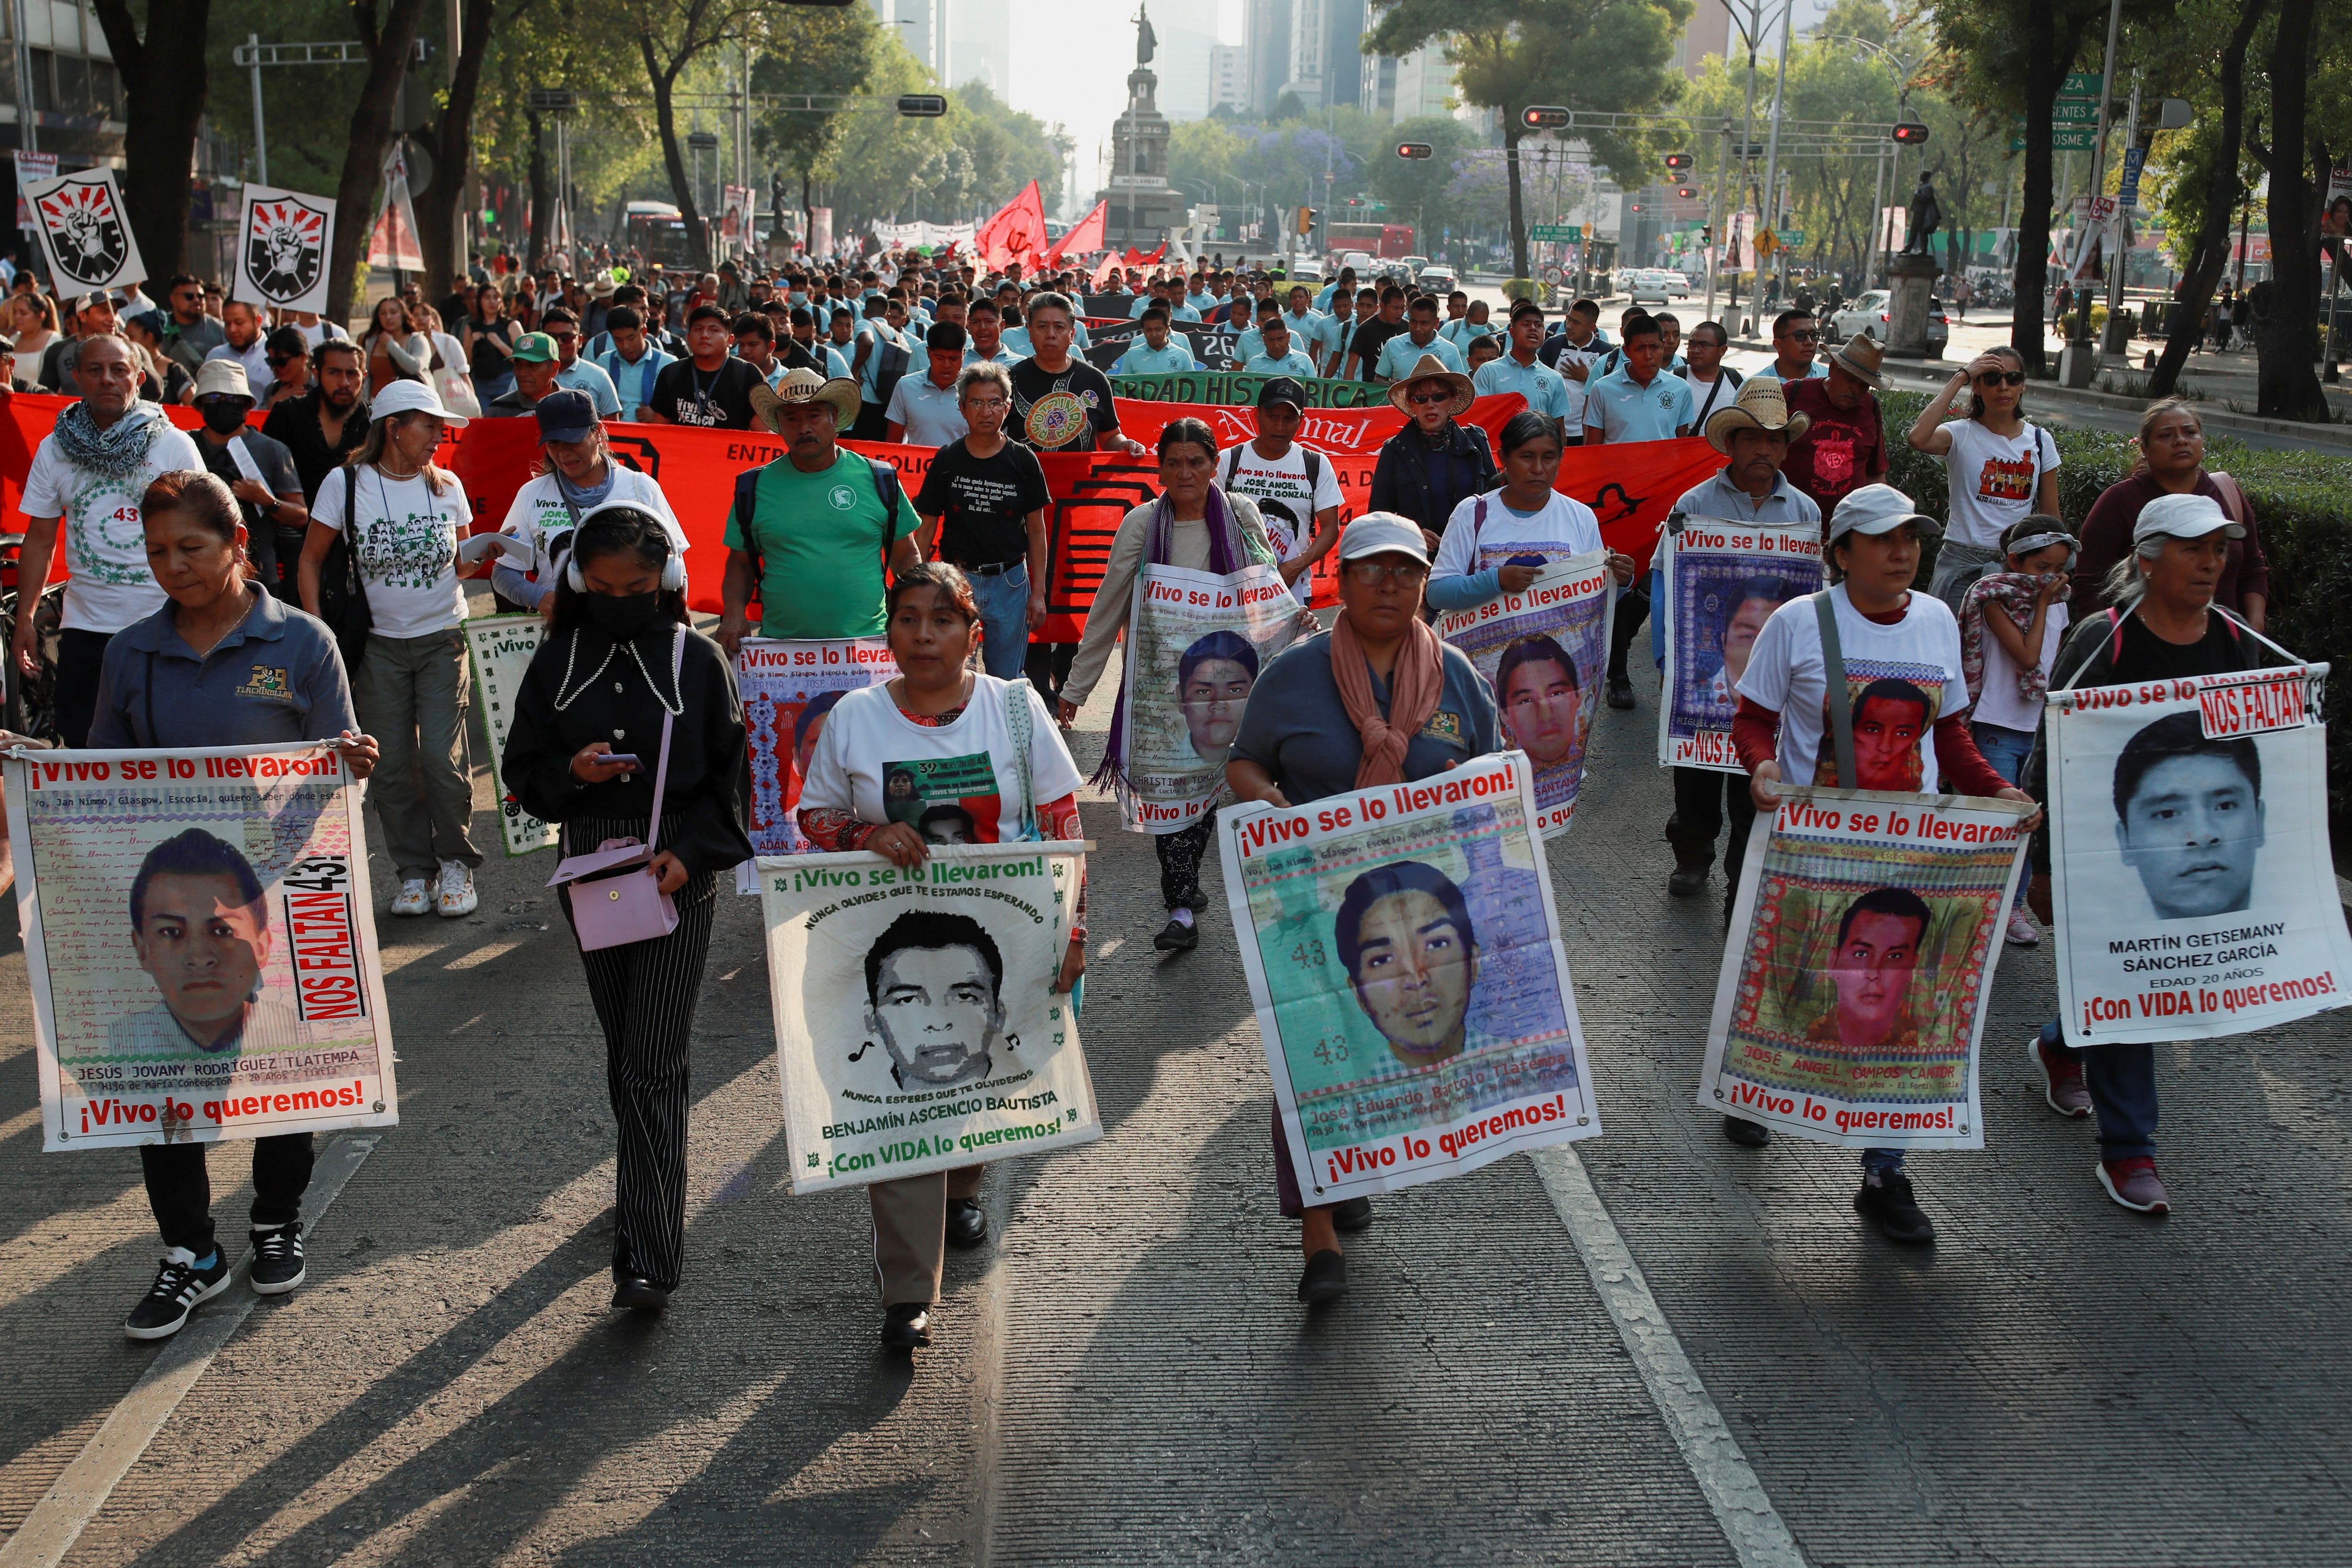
point(1145, 360)
point(1545, 388)
point(1292, 363)
point(276, 680)
point(1400, 354)
point(1622, 409)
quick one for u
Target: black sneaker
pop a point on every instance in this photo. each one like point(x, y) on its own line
point(1746, 1133)
point(1351, 1215)
point(907, 1325)
point(1889, 1203)
point(1177, 936)
point(1621, 692)
point(1688, 879)
point(1324, 1278)
point(179, 1285)
point(278, 1264)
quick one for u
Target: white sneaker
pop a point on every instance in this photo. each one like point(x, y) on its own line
point(457, 895)
point(2022, 930)
point(413, 899)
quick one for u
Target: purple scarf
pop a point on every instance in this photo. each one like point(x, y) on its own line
point(1225, 558)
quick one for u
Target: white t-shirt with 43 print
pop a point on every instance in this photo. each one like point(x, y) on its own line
point(407, 541)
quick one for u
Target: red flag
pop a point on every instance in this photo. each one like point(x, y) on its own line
point(1015, 234)
point(1105, 272)
point(1087, 236)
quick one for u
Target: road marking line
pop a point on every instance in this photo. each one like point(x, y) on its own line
point(1750, 1523)
point(58, 1521)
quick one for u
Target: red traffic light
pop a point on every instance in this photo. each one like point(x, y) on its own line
point(1544, 117)
point(1910, 133)
point(1685, 193)
point(1678, 159)
point(1415, 150)
point(1632, 207)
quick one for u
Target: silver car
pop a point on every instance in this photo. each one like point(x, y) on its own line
point(1869, 314)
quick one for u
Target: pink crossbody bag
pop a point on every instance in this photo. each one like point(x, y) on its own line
point(616, 896)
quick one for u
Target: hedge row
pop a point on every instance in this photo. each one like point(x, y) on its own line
point(2303, 505)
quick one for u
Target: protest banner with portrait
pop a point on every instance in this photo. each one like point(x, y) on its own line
point(1195, 643)
point(500, 648)
point(1720, 582)
point(1404, 958)
point(789, 690)
point(1852, 992)
point(201, 942)
point(1545, 650)
point(2192, 888)
point(916, 1029)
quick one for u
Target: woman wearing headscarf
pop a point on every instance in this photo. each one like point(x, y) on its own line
point(1376, 700)
point(1194, 526)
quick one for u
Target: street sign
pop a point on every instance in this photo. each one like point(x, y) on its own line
point(1793, 237)
point(2135, 158)
point(1748, 150)
point(2063, 139)
point(1766, 242)
point(2082, 84)
point(702, 140)
point(2069, 111)
point(1550, 273)
point(553, 101)
point(1557, 233)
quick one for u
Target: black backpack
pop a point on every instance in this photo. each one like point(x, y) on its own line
point(886, 488)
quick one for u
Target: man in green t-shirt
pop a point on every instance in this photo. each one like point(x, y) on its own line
point(807, 533)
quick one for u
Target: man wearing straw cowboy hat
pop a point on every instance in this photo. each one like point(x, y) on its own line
point(1433, 464)
point(1846, 448)
point(1755, 433)
point(803, 533)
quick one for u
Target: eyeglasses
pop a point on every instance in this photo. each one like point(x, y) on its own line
point(1372, 573)
point(2002, 378)
point(1429, 399)
point(1795, 337)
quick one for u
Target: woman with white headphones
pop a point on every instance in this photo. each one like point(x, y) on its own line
point(628, 730)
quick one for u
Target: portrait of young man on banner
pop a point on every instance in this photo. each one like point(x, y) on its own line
point(916, 1029)
point(201, 943)
point(1853, 990)
point(789, 690)
point(2193, 889)
point(1721, 582)
point(1404, 956)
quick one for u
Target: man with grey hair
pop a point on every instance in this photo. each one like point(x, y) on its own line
point(986, 497)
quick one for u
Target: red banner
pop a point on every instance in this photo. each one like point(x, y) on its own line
point(1631, 487)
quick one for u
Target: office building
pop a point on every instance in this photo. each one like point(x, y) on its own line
point(1402, 87)
point(1229, 78)
point(1327, 55)
point(979, 44)
point(1267, 26)
point(1709, 32)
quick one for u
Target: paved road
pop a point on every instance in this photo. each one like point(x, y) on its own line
point(1125, 1377)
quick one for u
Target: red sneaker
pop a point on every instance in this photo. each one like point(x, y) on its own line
point(2134, 1184)
point(2062, 1078)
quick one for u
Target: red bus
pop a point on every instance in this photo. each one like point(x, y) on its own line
point(1388, 241)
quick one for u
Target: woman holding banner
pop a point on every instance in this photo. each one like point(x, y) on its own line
point(893, 760)
point(1900, 651)
point(1376, 700)
point(628, 728)
point(173, 680)
point(2164, 625)
point(1194, 526)
point(1498, 543)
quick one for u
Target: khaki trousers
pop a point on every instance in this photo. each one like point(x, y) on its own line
point(910, 1223)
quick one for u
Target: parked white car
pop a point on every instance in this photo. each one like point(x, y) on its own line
point(1655, 283)
point(1868, 314)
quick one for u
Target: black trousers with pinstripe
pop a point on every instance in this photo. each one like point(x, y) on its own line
point(645, 994)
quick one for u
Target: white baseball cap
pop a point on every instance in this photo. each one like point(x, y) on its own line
point(1382, 533)
point(2183, 517)
point(1878, 509)
point(411, 397)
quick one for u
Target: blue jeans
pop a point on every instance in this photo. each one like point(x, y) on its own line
point(2006, 749)
point(2122, 1082)
point(1005, 621)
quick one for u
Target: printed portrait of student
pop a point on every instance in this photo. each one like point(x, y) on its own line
point(1784, 733)
point(2166, 626)
point(1405, 938)
point(1212, 687)
point(222, 663)
point(934, 1000)
point(948, 824)
point(809, 727)
point(1378, 699)
point(617, 672)
point(1751, 605)
point(937, 710)
point(1877, 951)
point(2189, 816)
point(1540, 701)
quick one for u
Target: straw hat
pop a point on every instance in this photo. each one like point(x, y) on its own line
point(804, 385)
point(1762, 405)
point(1859, 356)
point(1432, 368)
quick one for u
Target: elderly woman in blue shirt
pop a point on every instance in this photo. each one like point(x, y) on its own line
point(224, 663)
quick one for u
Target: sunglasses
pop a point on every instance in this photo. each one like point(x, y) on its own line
point(1372, 573)
point(1428, 399)
point(1804, 337)
point(2002, 378)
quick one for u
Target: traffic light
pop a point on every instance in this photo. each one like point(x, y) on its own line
point(1632, 207)
point(1911, 133)
point(1686, 193)
point(922, 105)
point(1544, 117)
point(1706, 234)
point(1678, 160)
point(1415, 150)
point(1305, 220)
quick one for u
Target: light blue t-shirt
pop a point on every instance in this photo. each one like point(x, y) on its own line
point(1460, 334)
point(1292, 363)
point(1202, 302)
point(1400, 354)
point(868, 373)
point(581, 376)
point(1002, 355)
point(1772, 371)
point(1545, 388)
point(1622, 409)
point(1145, 360)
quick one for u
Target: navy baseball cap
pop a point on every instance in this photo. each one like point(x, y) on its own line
point(1282, 389)
point(565, 414)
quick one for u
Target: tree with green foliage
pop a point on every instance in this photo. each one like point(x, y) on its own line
point(829, 52)
point(163, 88)
point(670, 36)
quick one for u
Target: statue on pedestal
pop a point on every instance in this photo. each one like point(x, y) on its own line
point(1927, 215)
point(1145, 40)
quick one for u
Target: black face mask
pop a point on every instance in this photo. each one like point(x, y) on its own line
point(621, 616)
point(224, 418)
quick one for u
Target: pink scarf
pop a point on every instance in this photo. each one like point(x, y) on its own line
point(1414, 687)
